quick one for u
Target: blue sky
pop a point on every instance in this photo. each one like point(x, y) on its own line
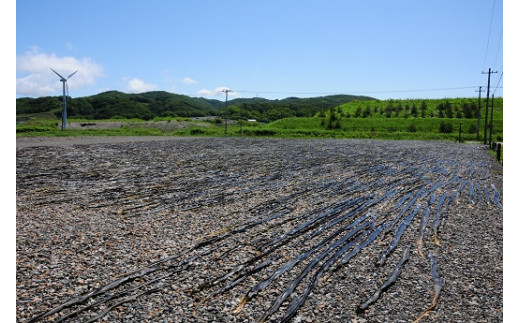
point(273, 49)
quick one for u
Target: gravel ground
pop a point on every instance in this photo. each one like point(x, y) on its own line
point(163, 229)
point(161, 125)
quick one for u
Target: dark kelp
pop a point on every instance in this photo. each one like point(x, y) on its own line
point(437, 285)
point(392, 278)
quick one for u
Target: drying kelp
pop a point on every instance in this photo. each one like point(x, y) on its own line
point(389, 282)
point(437, 286)
point(238, 229)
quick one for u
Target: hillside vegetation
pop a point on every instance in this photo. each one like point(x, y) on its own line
point(460, 108)
point(342, 116)
point(146, 106)
point(399, 119)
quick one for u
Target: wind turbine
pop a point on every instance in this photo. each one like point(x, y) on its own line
point(64, 110)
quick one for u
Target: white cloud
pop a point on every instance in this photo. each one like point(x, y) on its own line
point(37, 79)
point(136, 85)
point(188, 81)
point(205, 92)
point(217, 92)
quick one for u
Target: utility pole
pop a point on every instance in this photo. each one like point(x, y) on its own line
point(487, 105)
point(491, 122)
point(226, 91)
point(478, 112)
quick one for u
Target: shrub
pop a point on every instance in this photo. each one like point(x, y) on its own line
point(367, 112)
point(197, 131)
point(414, 111)
point(34, 129)
point(260, 132)
point(445, 127)
point(265, 132)
point(412, 128)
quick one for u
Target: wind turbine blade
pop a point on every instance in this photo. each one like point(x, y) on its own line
point(58, 74)
point(67, 87)
point(72, 74)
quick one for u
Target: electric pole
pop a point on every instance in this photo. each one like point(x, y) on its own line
point(487, 105)
point(478, 112)
point(491, 122)
point(226, 91)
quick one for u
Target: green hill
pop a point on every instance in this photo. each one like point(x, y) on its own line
point(398, 119)
point(146, 106)
point(465, 108)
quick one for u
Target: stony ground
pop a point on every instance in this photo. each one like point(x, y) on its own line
point(161, 125)
point(233, 229)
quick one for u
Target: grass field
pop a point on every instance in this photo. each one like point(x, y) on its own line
point(380, 128)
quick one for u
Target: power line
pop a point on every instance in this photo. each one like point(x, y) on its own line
point(422, 90)
point(360, 92)
point(489, 33)
point(498, 48)
point(499, 79)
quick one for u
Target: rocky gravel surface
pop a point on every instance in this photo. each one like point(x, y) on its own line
point(161, 125)
point(160, 229)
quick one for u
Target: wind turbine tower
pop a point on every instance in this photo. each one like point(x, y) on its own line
point(64, 104)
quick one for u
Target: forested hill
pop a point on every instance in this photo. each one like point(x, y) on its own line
point(148, 105)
